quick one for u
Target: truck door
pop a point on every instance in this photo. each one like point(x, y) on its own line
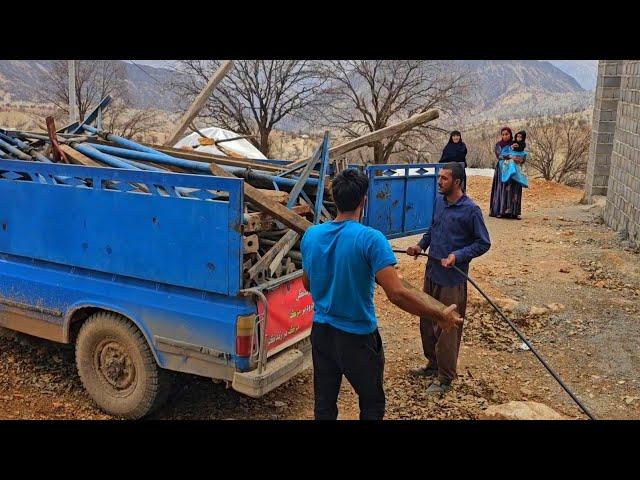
point(401, 198)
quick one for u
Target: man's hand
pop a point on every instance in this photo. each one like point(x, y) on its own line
point(448, 262)
point(414, 251)
point(449, 318)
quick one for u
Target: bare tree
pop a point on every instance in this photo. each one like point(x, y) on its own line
point(480, 143)
point(95, 79)
point(367, 95)
point(559, 147)
point(127, 122)
point(254, 97)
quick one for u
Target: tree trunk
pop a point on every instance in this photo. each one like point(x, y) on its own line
point(264, 142)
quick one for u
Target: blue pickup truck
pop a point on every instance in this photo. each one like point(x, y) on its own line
point(147, 283)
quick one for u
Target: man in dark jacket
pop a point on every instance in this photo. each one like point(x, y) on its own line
point(457, 235)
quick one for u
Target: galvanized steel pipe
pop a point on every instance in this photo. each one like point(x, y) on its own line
point(203, 167)
point(7, 147)
point(26, 148)
point(89, 151)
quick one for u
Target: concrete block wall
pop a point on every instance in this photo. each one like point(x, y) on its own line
point(622, 210)
point(603, 126)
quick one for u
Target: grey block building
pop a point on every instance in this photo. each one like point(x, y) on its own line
point(613, 169)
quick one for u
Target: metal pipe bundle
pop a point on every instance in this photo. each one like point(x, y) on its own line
point(164, 159)
point(26, 148)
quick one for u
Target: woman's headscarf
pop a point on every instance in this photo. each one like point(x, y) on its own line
point(454, 151)
point(502, 143)
point(522, 144)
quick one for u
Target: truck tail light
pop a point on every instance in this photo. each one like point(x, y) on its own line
point(244, 335)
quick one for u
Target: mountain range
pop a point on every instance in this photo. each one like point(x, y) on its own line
point(503, 88)
point(584, 71)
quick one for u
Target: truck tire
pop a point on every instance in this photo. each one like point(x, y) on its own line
point(117, 367)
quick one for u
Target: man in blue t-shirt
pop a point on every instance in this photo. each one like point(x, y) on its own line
point(456, 236)
point(342, 260)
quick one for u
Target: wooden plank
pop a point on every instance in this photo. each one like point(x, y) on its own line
point(264, 204)
point(260, 221)
point(275, 195)
point(78, 158)
point(198, 103)
point(168, 168)
point(376, 136)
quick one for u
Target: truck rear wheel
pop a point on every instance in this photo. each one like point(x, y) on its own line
point(117, 367)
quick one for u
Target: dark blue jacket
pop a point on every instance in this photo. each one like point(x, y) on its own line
point(459, 229)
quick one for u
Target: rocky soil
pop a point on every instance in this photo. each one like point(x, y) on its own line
point(567, 281)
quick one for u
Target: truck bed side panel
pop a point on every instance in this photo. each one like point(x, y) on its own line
point(159, 236)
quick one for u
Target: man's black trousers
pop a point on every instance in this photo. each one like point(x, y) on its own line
point(360, 358)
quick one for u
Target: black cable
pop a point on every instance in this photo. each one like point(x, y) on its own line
point(515, 329)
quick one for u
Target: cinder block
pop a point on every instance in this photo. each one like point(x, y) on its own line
point(611, 81)
point(602, 148)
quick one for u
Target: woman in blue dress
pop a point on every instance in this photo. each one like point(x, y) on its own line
point(506, 197)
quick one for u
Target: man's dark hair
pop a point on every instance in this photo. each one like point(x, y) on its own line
point(457, 170)
point(348, 189)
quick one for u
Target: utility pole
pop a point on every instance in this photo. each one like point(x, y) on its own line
point(73, 106)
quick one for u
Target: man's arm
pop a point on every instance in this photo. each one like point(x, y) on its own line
point(481, 241)
point(415, 302)
point(305, 281)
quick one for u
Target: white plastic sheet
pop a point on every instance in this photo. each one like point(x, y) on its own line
point(242, 146)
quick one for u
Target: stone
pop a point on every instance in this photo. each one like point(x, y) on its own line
point(537, 311)
point(507, 304)
point(526, 392)
point(555, 307)
point(515, 410)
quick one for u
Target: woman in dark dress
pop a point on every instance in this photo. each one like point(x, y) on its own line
point(506, 198)
point(456, 151)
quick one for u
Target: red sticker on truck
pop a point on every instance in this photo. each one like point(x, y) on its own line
point(290, 314)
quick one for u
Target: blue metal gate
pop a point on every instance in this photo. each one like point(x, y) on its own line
point(401, 198)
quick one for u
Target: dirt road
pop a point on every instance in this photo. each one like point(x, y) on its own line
point(568, 281)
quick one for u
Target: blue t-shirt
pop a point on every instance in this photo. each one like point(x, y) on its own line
point(341, 260)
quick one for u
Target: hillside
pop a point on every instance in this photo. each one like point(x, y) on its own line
point(584, 71)
point(497, 78)
point(20, 79)
point(508, 89)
